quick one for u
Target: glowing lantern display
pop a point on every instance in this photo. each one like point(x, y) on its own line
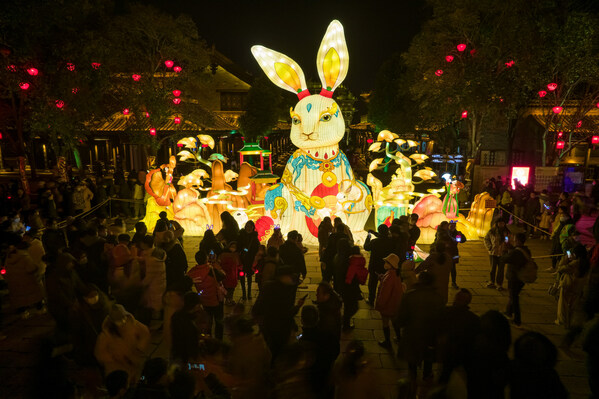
point(552, 86)
point(557, 109)
point(147, 114)
point(136, 77)
point(32, 71)
point(176, 101)
point(595, 140)
point(579, 124)
point(449, 58)
point(169, 63)
point(153, 131)
point(542, 93)
point(464, 114)
point(560, 144)
point(177, 120)
point(75, 90)
point(461, 47)
point(24, 85)
point(560, 135)
point(521, 174)
point(369, 141)
point(70, 66)
point(177, 69)
point(126, 111)
point(96, 65)
point(176, 93)
point(59, 103)
point(439, 72)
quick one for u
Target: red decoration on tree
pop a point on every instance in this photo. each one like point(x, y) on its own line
point(177, 69)
point(464, 114)
point(595, 140)
point(369, 141)
point(11, 68)
point(136, 77)
point(542, 93)
point(177, 101)
point(96, 65)
point(560, 135)
point(597, 105)
point(153, 132)
point(557, 110)
point(449, 58)
point(177, 120)
point(552, 86)
point(439, 72)
point(24, 85)
point(176, 93)
point(32, 71)
point(560, 144)
point(169, 63)
point(509, 64)
point(579, 124)
point(147, 114)
point(461, 47)
point(126, 111)
point(70, 66)
point(472, 52)
point(75, 90)
point(59, 103)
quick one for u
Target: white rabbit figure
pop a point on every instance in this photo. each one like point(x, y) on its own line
point(318, 180)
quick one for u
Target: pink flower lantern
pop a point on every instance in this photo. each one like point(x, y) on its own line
point(169, 63)
point(449, 58)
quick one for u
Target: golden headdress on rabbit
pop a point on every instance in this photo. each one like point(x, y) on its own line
point(318, 180)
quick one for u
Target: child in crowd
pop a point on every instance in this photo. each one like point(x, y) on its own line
point(230, 263)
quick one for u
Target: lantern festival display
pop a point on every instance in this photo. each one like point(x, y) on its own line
point(318, 180)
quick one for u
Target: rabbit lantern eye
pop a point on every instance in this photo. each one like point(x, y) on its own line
point(296, 120)
point(325, 117)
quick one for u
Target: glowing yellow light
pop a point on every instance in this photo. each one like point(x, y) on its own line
point(332, 60)
point(375, 146)
point(291, 77)
point(399, 141)
point(412, 143)
point(375, 164)
point(385, 135)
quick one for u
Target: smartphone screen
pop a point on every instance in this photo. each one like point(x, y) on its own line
point(507, 239)
point(458, 239)
point(196, 366)
point(569, 254)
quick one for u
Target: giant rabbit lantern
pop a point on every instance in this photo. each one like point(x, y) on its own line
point(318, 180)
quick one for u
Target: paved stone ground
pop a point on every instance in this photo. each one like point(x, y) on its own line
point(18, 351)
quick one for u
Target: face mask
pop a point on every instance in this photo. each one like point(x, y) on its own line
point(17, 220)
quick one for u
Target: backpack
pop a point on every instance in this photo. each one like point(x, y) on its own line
point(527, 273)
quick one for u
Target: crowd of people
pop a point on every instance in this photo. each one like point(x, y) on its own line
point(112, 295)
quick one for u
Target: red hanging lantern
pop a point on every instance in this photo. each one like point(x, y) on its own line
point(560, 145)
point(177, 120)
point(177, 69)
point(369, 141)
point(70, 66)
point(449, 58)
point(176, 93)
point(439, 72)
point(75, 90)
point(177, 101)
point(96, 65)
point(560, 135)
point(59, 103)
point(461, 47)
point(597, 105)
point(147, 114)
point(552, 86)
point(153, 132)
point(169, 63)
point(509, 64)
point(136, 77)
point(32, 71)
point(557, 110)
point(472, 52)
point(464, 114)
point(11, 68)
point(579, 124)
point(126, 111)
point(542, 93)
point(24, 85)
point(595, 140)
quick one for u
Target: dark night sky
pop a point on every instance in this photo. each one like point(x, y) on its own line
point(373, 30)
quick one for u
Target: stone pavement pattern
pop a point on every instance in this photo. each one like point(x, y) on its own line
point(18, 352)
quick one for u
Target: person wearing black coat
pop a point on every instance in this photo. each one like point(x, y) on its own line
point(350, 293)
point(329, 308)
point(292, 255)
point(185, 345)
point(379, 247)
point(515, 260)
point(176, 260)
point(249, 244)
point(328, 256)
point(275, 310)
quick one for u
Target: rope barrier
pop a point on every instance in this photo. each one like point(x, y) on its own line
point(524, 221)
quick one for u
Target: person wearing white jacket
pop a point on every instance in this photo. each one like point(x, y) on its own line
point(154, 276)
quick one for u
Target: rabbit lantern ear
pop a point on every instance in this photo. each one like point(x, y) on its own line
point(281, 70)
point(332, 60)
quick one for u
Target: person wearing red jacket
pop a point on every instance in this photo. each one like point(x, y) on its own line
point(357, 267)
point(389, 297)
point(207, 280)
point(230, 263)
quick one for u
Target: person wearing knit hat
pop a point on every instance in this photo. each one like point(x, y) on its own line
point(389, 297)
point(122, 343)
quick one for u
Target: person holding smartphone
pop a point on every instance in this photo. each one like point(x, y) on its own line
point(457, 237)
point(497, 245)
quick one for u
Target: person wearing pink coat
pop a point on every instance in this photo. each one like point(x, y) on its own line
point(389, 296)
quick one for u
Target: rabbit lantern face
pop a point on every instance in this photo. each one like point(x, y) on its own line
point(316, 120)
